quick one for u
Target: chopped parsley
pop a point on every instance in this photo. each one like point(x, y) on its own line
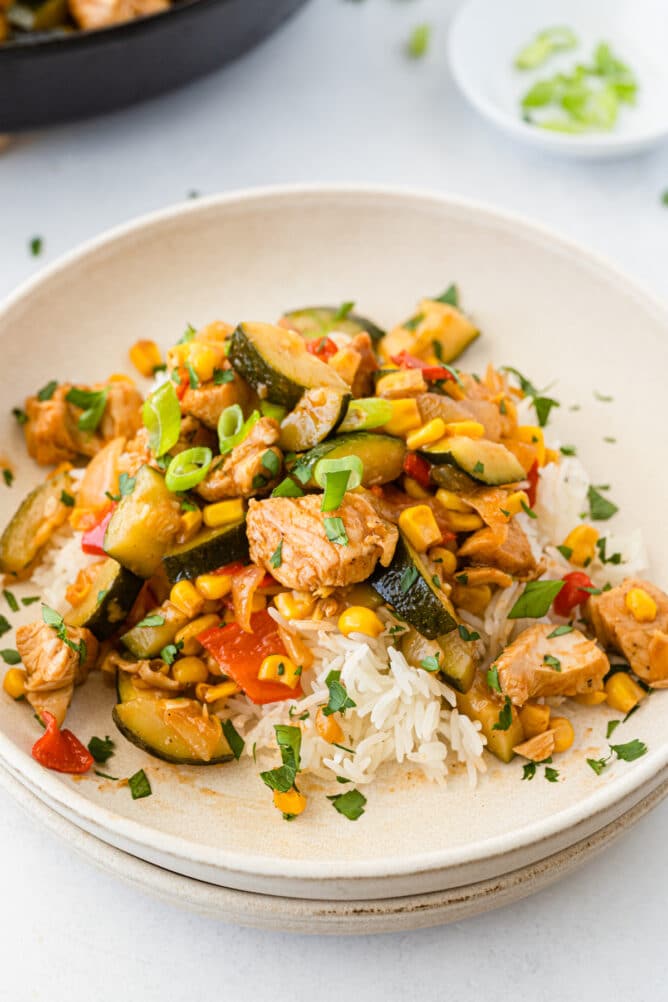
point(462, 578)
point(543, 406)
point(479, 467)
point(92, 404)
point(20, 415)
point(57, 623)
point(568, 450)
point(350, 804)
point(565, 551)
point(467, 634)
point(614, 558)
point(29, 599)
point(36, 245)
point(339, 700)
point(10, 656)
point(551, 775)
point(628, 752)
point(335, 531)
point(436, 581)
point(552, 662)
point(603, 398)
point(450, 297)
point(47, 391)
point(221, 376)
point(413, 322)
point(139, 785)
point(276, 559)
point(529, 770)
point(289, 740)
point(188, 335)
point(560, 631)
point(535, 600)
point(66, 499)
point(10, 599)
point(287, 489)
point(126, 485)
point(408, 578)
point(193, 378)
point(154, 619)
point(5, 626)
point(609, 439)
point(233, 738)
point(612, 727)
point(101, 749)
point(8, 477)
point(170, 652)
point(505, 716)
point(343, 311)
point(493, 678)
point(600, 509)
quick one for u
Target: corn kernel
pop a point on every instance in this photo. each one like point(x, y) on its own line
point(223, 690)
point(460, 522)
point(428, 433)
point(622, 692)
point(280, 668)
point(291, 803)
point(641, 605)
point(446, 560)
point(564, 736)
point(535, 719)
point(146, 357)
point(223, 512)
point(191, 522)
point(415, 490)
point(294, 604)
point(582, 541)
point(189, 634)
point(469, 429)
point(591, 698)
point(473, 598)
point(419, 526)
point(14, 682)
point(452, 501)
point(513, 502)
point(204, 358)
point(190, 671)
point(186, 598)
point(357, 619)
point(531, 435)
point(328, 728)
point(552, 456)
point(405, 417)
point(213, 586)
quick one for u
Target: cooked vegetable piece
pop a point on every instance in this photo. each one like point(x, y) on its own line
point(140, 717)
point(148, 641)
point(317, 415)
point(38, 515)
point(144, 525)
point(112, 594)
point(479, 704)
point(488, 462)
point(319, 321)
point(382, 456)
point(206, 552)
point(37, 15)
point(453, 479)
point(277, 365)
point(454, 656)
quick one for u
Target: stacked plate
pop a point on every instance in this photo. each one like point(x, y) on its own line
point(210, 837)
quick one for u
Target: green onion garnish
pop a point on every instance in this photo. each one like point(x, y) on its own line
point(188, 469)
point(368, 412)
point(161, 415)
point(232, 429)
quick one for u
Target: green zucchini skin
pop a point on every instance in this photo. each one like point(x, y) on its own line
point(138, 719)
point(18, 548)
point(382, 456)
point(420, 604)
point(319, 321)
point(141, 526)
point(206, 552)
point(487, 462)
point(319, 413)
point(275, 362)
point(148, 641)
point(110, 599)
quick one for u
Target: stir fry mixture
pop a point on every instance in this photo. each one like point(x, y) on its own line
point(322, 545)
point(22, 20)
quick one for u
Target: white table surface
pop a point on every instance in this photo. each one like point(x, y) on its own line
point(331, 97)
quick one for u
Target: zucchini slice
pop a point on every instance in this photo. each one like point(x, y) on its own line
point(488, 462)
point(148, 641)
point(456, 661)
point(479, 704)
point(452, 479)
point(139, 717)
point(407, 586)
point(382, 456)
point(319, 321)
point(319, 412)
point(112, 595)
point(206, 552)
point(144, 524)
point(30, 528)
point(277, 365)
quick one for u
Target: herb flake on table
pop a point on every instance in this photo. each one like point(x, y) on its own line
point(101, 748)
point(139, 785)
point(36, 245)
point(350, 804)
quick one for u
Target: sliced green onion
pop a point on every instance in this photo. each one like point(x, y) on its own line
point(275, 411)
point(232, 429)
point(351, 464)
point(369, 412)
point(161, 415)
point(558, 39)
point(188, 469)
point(287, 489)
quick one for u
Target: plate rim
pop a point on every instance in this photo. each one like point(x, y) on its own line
point(606, 798)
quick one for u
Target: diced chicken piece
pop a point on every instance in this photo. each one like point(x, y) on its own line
point(362, 384)
point(642, 644)
point(433, 405)
point(53, 666)
point(236, 475)
point(52, 431)
point(92, 14)
point(537, 748)
point(505, 547)
point(208, 401)
point(309, 560)
point(525, 674)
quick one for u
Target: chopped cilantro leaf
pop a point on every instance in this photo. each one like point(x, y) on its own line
point(154, 619)
point(418, 41)
point(479, 467)
point(36, 244)
point(551, 775)
point(8, 477)
point(612, 727)
point(408, 578)
point(339, 700)
point(5, 626)
point(565, 551)
point(450, 297)
point(535, 600)
point(552, 662)
point(276, 559)
point(335, 531)
point(234, 739)
point(350, 804)
point(600, 509)
point(139, 785)
point(66, 499)
point(529, 770)
point(493, 678)
point(630, 751)
point(10, 657)
point(430, 663)
point(47, 391)
point(505, 716)
point(467, 634)
point(10, 600)
point(20, 415)
point(101, 748)
point(221, 376)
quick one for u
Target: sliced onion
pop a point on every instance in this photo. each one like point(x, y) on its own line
point(161, 415)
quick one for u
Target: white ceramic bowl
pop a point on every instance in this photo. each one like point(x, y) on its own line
point(545, 306)
point(485, 36)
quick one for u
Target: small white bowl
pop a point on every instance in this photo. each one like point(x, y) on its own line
point(486, 35)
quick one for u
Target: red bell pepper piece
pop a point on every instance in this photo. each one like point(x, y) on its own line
point(430, 372)
point(92, 540)
point(234, 568)
point(241, 654)
point(60, 750)
point(322, 347)
point(573, 593)
point(532, 477)
point(417, 468)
